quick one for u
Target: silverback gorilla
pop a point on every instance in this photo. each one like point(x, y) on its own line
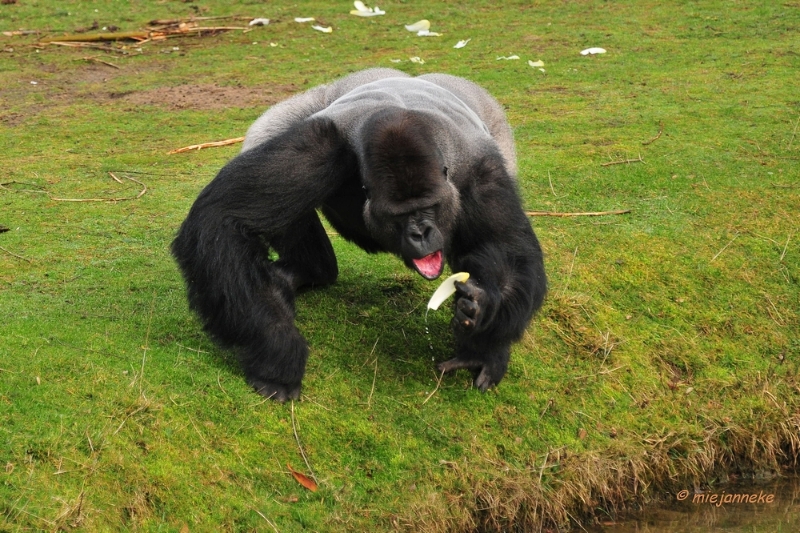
point(422, 167)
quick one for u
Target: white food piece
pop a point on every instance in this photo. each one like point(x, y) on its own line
point(534, 64)
point(422, 25)
point(508, 57)
point(462, 44)
point(323, 29)
point(446, 289)
point(592, 51)
point(303, 19)
point(363, 11)
point(259, 22)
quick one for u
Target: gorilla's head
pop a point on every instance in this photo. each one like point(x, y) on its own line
point(411, 205)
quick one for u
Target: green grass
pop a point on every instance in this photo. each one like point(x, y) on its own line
point(666, 354)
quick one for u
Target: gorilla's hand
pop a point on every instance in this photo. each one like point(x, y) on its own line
point(470, 308)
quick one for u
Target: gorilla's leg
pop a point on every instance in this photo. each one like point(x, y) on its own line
point(306, 254)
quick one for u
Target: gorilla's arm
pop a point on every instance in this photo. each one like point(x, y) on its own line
point(494, 242)
point(264, 199)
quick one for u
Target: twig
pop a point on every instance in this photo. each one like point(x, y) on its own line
point(226, 142)
point(439, 382)
point(294, 429)
point(146, 345)
point(95, 46)
point(724, 247)
point(586, 214)
point(654, 139)
point(601, 373)
point(122, 199)
point(97, 37)
point(267, 519)
point(623, 161)
point(374, 375)
point(96, 60)
point(783, 254)
point(794, 133)
point(544, 463)
point(569, 276)
point(9, 252)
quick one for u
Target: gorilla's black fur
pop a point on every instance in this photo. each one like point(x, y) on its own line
point(395, 178)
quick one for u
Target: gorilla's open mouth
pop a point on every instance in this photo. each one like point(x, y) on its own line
point(430, 266)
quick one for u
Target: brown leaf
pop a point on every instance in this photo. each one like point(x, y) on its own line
point(303, 479)
point(185, 528)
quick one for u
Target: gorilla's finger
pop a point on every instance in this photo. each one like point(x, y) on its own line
point(467, 307)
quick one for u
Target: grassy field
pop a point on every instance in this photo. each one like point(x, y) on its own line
point(666, 356)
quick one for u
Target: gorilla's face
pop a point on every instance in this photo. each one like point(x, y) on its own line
point(411, 205)
point(418, 230)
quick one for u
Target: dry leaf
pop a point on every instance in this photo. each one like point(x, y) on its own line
point(303, 479)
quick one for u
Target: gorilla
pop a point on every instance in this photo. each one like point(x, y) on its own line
point(421, 167)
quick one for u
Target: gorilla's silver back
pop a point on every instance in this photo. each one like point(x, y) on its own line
point(457, 103)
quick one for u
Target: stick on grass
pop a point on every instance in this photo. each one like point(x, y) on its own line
point(654, 139)
point(226, 142)
point(623, 162)
point(300, 446)
point(583, 214)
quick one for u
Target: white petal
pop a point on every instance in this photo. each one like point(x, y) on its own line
point(507, 57)
point(462, 44)
point(323, 30)
point(446, 289)
point(303, 19)
point(593, 51)
point(419, 26)
point(535, 64)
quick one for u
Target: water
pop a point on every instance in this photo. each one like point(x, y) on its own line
point(725, 513)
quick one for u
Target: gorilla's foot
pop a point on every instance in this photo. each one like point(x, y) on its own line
point(279, 392)
point(485, 376)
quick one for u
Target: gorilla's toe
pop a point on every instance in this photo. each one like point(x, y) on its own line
point(279, 392)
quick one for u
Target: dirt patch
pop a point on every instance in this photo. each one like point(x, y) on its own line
point(209, 96)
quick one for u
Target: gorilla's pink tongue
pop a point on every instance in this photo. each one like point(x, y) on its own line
point(430, 266)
